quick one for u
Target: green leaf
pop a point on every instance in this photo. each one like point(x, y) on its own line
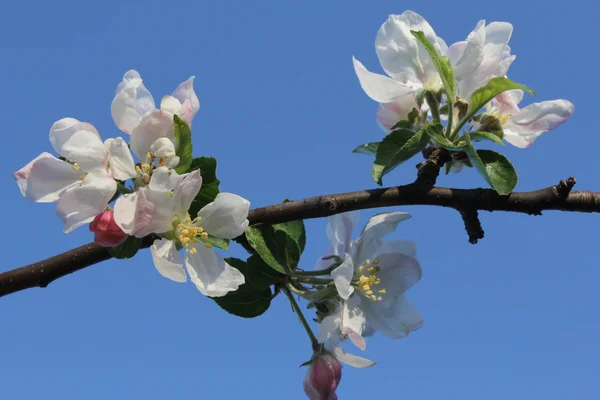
point(495, 168)
point(367, 148)
point(413, 116)
point(397, 147)
point(183, 140)
point(210, 183)
point(436, 132)
point(127, 249)
point(442, 65)
point(278, 248)
point(252, 298)
point(295, 229)
point(218, 242)
point(478, 136)
point(484, 94)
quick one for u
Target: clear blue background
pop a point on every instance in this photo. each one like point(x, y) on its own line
point(514, 317)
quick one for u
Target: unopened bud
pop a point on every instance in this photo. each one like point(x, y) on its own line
point(323, 377)
point(106, 231)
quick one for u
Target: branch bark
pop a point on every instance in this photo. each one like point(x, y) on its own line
point(555, 197)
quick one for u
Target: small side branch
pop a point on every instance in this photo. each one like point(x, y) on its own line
point(472, 224)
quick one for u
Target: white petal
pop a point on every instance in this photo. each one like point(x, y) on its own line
point(520, 140)
point(226, 217)
point(153, 126)
point(399, 246)
point(508, 102)
point(210, 273)
point(472, 54)
point(62, 130)
point(131, 103)
point(380, 87)
point(171, 104)
point(80, 204)
point(347, 358)
point(396, 320)
point(353, 321)
point(120, 159)
point(85, 149)
point(456, 51)
point(342, 277)
point(186, 190)
point(339, 231)
point(378, 226)
point(398, 273)
point(399, 52)
point(45, 178)
point(167, 260)
point(187, 97)
point(164, 179)
point(330, 325)
point(163, 148)
point(388, 114)
point(145, 211)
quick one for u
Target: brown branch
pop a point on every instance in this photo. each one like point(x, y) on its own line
point(555, 197)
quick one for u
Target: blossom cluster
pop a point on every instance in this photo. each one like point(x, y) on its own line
point(99, 183)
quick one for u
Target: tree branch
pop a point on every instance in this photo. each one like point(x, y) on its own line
point(555, 197)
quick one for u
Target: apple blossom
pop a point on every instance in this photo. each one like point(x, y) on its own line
point(371, 279)
point(523, 126)
point(82, 187)
point(106, 232)
point(323, 377)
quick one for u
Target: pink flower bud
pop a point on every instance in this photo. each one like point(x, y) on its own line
point(323, 378)
point(106, 231)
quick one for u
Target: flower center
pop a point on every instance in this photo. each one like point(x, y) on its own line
point(76, 168)
point(146, 167)
point(188, 232)
point(367, 282)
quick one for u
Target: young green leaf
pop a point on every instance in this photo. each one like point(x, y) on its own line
point(183, 140)
point(278, 248)
point(367, 148)
point(478, 136)
point(442, 65)
point(210, 183)
point(218, 242)
point(127, 249)
point(395, 148)
point(436, 132)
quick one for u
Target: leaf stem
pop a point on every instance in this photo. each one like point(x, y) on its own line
point(309, 332)
point(314, 281)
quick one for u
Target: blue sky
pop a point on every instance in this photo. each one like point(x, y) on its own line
point(513, 317)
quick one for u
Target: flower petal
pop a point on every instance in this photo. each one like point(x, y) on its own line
point(80, 204)
point(226, 217)
point(399, 52)
point(186, 190)
point(330, 325)
point(398, 273)
point(45, 178)
point(187, 97)
point(508, 102)
point(473, 53)
point(164, 179)
point(210, 273)
point(342, 277)
point(120, 159)
point(398, 246)
point(132, 101)
point(145, 211)
point(388, 114)
point(380, 87)
point(347, 358)
point(87, 150)
point(167, 260)
point(394, 319)
point(62, 130)
point(153, 126)
point(339, 231)
point(378, 226)
point(353, 321)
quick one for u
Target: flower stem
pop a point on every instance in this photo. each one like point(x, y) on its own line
point(319, 272)
point(314, 281)
point(434, 106)
point(311, 335)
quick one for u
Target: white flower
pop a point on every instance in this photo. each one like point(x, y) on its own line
point(523, 126)
point(165, 212)
point(484, 55)
point(84, 188)
point(134, 111)
point(372, 279)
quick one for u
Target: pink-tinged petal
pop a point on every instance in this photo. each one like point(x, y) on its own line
point(171, 104)
point(339, 231)
point(186, 190)
point(388, 114)
point(347, 358)
point(519, 140)
point(164, 179)
point(153, 126)
point(145, 211)
point(210, 273)
point(398, 273)
point(120, 160)
point(456, 51)
point(62, 130)
point(187, 97)
point(80, 204)
point(472, 55)
point(87, 150)
point(342, 277)
point(353, 321)
point(167, 260)
point(323, 378)
point(132, 101)
point(371, 237)
point(395, 318)
point(106, 231)
point(330, 325)
point(380, 87)
point(45, 178)
point(226, 217)
point(508, 102)
point(401, 55)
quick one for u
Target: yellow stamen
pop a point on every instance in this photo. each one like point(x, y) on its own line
point(208, 245)
point(204, 235)
point(75, 166)
point(382, 291)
